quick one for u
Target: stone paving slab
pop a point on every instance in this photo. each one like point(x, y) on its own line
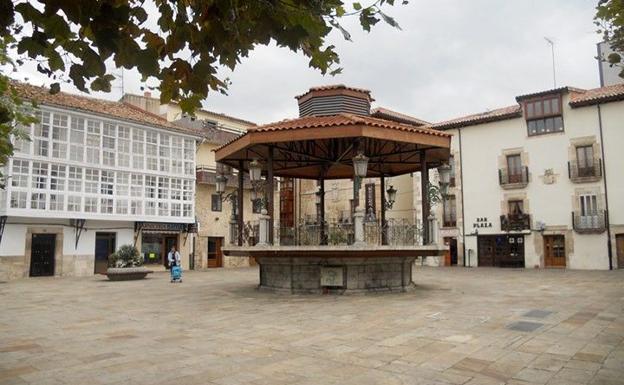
point(215, 328)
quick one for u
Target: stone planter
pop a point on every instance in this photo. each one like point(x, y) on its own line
point(127, 273)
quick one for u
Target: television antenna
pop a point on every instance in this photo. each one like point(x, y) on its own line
point(552, 51)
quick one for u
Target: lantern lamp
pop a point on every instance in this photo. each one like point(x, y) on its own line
point(444, 172)
point(255, 171)
point(220, 184)
point(391, 195)
point(360, 165)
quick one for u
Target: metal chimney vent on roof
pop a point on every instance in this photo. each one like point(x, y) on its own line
point(333, 100)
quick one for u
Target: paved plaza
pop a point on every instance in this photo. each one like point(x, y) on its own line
point(460, 326)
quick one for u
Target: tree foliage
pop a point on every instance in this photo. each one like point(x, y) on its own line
point(14, 113)
point(610, 21)
point(184, 46)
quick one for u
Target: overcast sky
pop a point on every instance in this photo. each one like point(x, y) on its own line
point(451, 58)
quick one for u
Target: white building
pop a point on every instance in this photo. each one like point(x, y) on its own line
point(96, 175)
point(539, 183)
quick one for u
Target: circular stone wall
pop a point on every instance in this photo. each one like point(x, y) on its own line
point(335, 275)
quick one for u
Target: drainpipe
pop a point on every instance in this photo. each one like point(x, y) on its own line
point(604, 181)
point(461, 176)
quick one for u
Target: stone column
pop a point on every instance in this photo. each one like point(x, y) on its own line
point(358, 227)
point(264, 228)
point(433, 229)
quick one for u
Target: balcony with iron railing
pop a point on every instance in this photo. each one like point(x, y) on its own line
point(589, 223)
point(512, 179)
point(584, 172)
point(449, 220)
point(515, 222)
point(207, 174)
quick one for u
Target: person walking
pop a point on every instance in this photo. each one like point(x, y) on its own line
point(173, 259)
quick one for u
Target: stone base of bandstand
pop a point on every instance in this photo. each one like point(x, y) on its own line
point(304, 275)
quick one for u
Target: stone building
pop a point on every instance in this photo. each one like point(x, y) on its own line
point(539, 183)
point(96, 175)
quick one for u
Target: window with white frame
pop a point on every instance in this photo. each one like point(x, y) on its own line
point(19, 199)
point(164, 165)
point(150, 187)
point(150, 207)
point(106, 206)
point(187, 192)
point(189, 149)
point(22, 146)
point(176, 209)
point(151, 150)
point(107, 182)
point(74, 179)
point(177, 147)
point(121, 206)
point(136, 185)
point(20, 173)
point(163, 209)
point(77, 139)
point(188, 210)
point(41, 135)
point(57, 202)
point(138, 148)
point(164, 149)
point(74, 203)
point(189, 168)
point(90, 205)
point(38, 201)
point(94, 141)
point(123, 146)
point(57, 177)
point(39, 175)
point(59, 135)
point(163, 188)
point(108, 143)
point(177, 166)
point(122, 184)
point(136, 207)
point(92, 180)
point(176, 189)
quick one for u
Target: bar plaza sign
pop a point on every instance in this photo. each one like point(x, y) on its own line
point(481, 222)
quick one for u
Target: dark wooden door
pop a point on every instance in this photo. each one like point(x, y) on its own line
point(42, 255)
point(501, 250)
point(619, 247)
point(554, 251)
point(104, 247)
point(453, 250)
point(215, 255)
point(486, 250)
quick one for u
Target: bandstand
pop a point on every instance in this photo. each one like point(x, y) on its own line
point(334, 138)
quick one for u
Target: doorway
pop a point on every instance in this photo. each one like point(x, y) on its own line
point(169, 242)
point(215, 255)
point(43, 248)
point(104, 247)
point(554, 251)
point(619, 247)
point(450, 258)
point(500, 250)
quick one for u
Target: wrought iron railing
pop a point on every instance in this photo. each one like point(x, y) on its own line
point(589, 223)
point(515, 222)
point(513, 177)
point(579, 171)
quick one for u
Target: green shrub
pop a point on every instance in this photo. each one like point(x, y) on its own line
point(126, 256)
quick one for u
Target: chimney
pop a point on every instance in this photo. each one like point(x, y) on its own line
point(147, 94)
point(333, 100)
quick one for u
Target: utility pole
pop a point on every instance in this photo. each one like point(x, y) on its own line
point(552, 51)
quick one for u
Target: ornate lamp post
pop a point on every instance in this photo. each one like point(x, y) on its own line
point(360, 169)
point(389, 202)
point(444, 172)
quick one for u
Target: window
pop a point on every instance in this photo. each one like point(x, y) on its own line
point(452, 165)
point(164, 149)
point(163, 209)
point(544, 115)
point(187, 192)
point(90, 205)
point(176, 209)
point(20, 173)
point(136, 186)
point(151, 150)
point(59, 136)
point(449, 211)
point(94, 142)
point(92, 179)
point(38, 201)
point(77, 139)
point(189, 149)
point(106, 206)
point(189, 168)
point(74, 183)
point(176, 189)
point(177, 166)
point(40, 176)
point(187, 210)
point(136, 207)
point(123, 146)
point(18, 199)
point(177, 147)
point(150, 187)
point(515, 207)
point(57, 177)
point(585, 160)
point(216, 202)
point(163, 188)
point(121, 185)
point(74, 203)
point(589, 205)
point(150, 208)
point(121, 206)
point(42, 135)
point(138, 148)
point(57, 202)
point(107, 183)
point(164, 165)
point(22, 145)
point(514, 168)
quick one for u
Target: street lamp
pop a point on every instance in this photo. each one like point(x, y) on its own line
point(255, 171)
point(444, 172)
point(360, 165)
point(318, 194)
point(391, 191)
point(220, 183)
